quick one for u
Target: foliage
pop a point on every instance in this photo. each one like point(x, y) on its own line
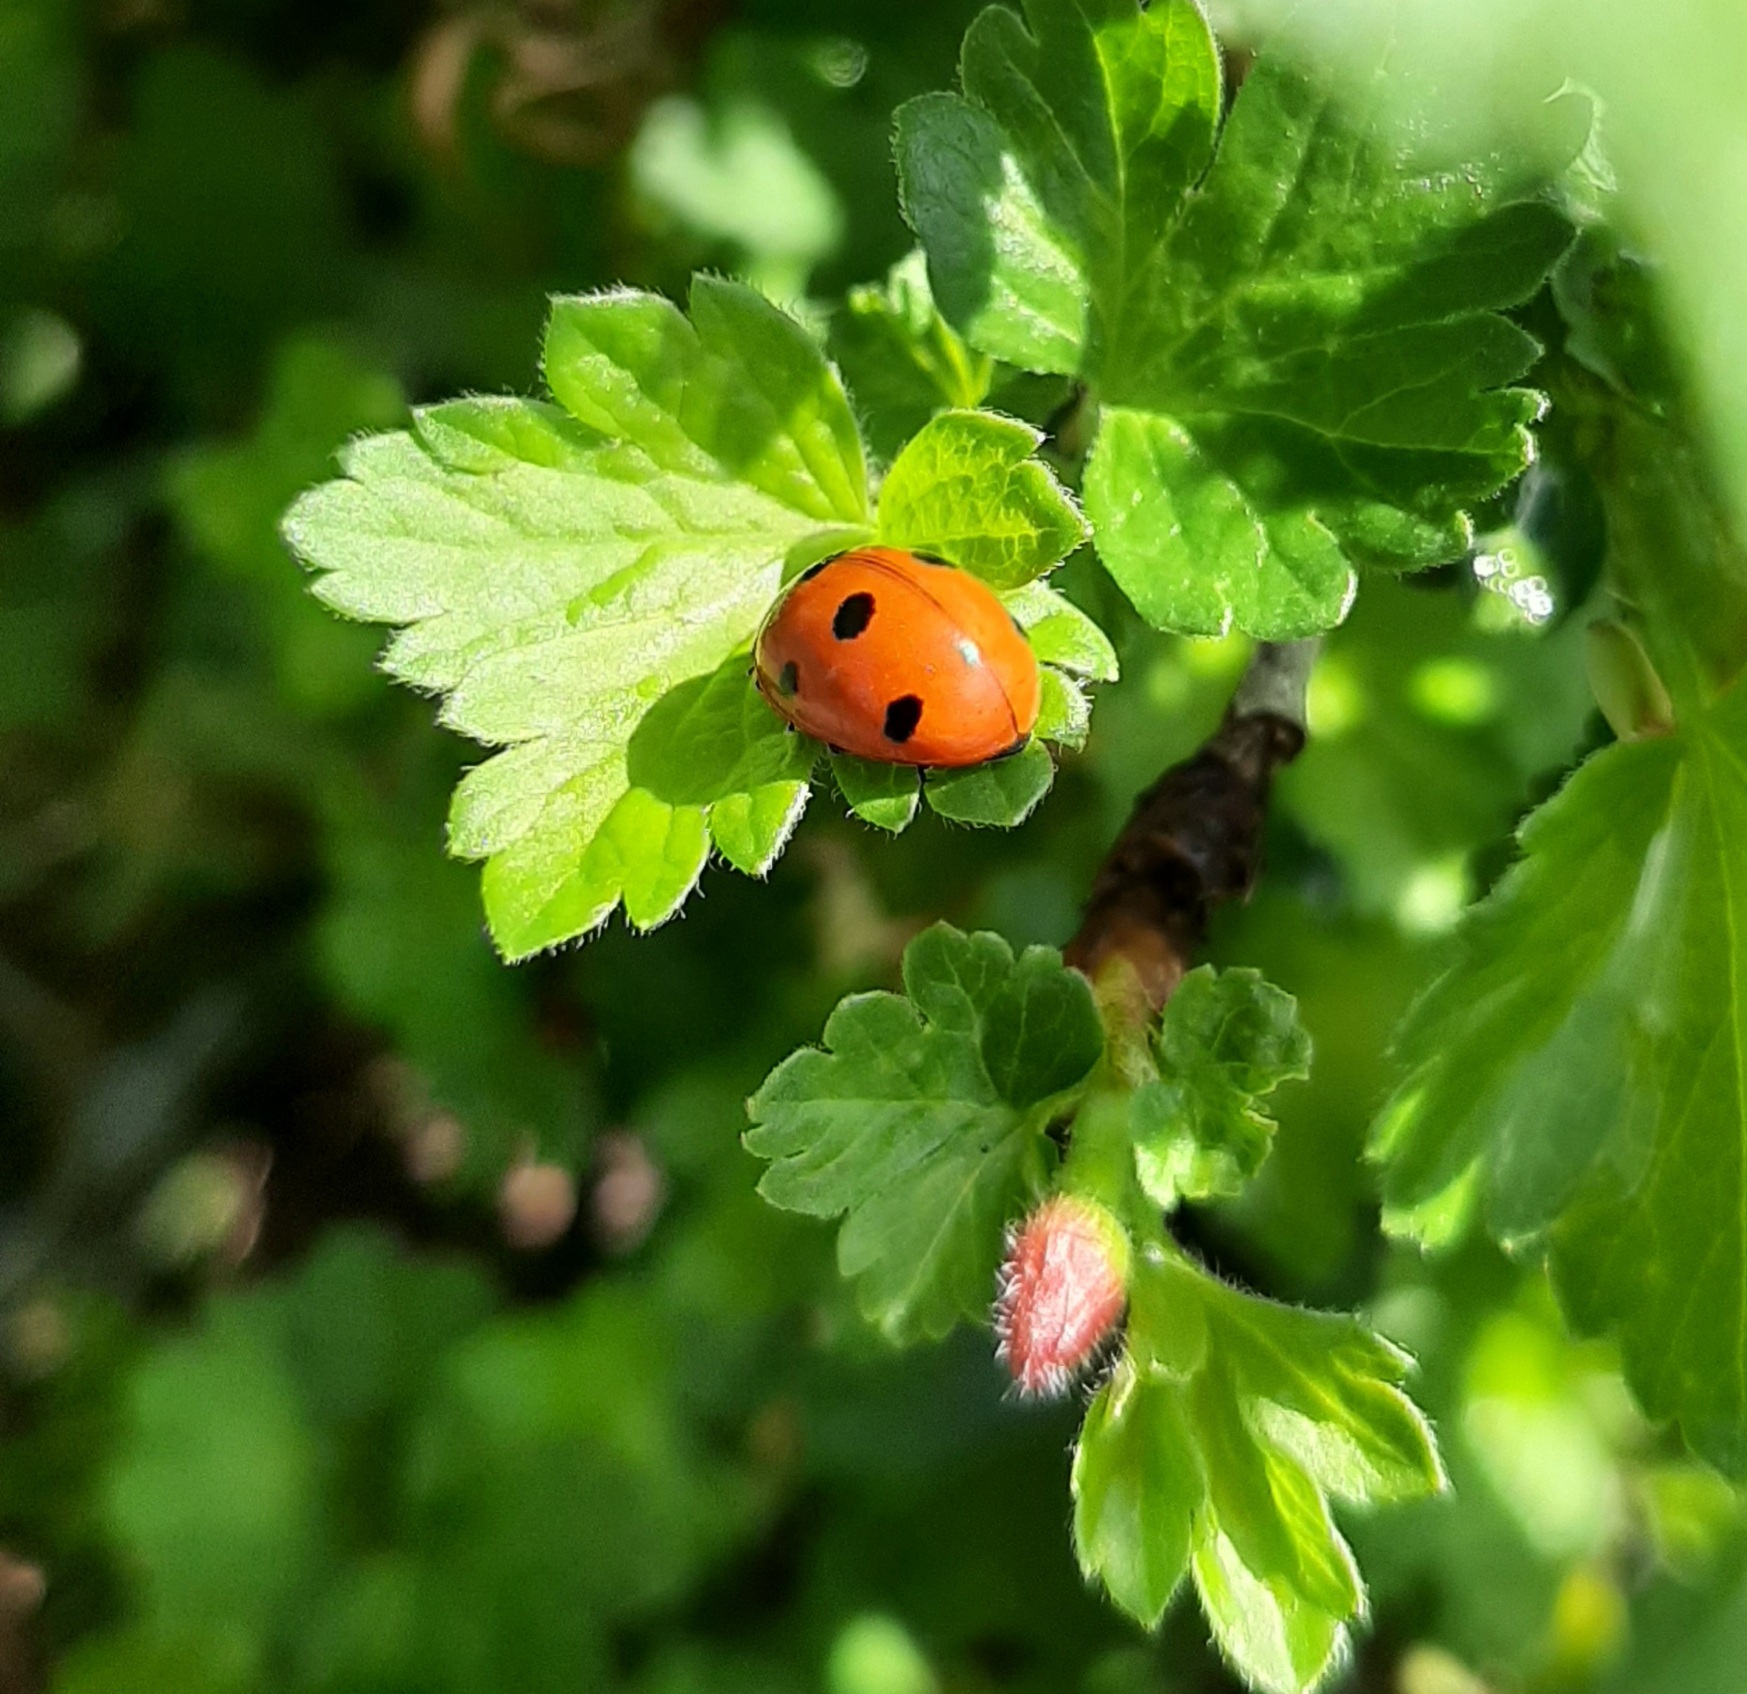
point(1296, 345)
point(646, 525)
point(375, 1316)
point(1226, 1039)
point(1211, 1451)
point(924, 1120)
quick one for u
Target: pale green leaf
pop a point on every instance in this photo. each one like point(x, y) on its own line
point(1061, 634)
point(1136, 1486)
point(1065, 714)
point(556, 576)
point(967, 488)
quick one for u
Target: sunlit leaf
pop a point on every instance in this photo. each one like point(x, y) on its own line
point(1299, 356)
point(1212, 1451)
point(539, 562)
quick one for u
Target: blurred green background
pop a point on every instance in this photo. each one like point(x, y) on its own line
point(376, 1318)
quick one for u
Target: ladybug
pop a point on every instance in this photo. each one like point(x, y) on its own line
point(901, 658)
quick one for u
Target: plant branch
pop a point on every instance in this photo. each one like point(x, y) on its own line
point(1194, 838)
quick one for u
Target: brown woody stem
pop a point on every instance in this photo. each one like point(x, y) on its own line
point(1195, 837)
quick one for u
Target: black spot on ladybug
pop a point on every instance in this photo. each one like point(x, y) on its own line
point(929, 558)
point(788, 680)
point(852, 617)
point(902, 717)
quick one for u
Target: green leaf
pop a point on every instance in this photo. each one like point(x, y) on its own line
point(557, 573)
point(1041, 196)
point(735, 175)
point(1137, 1484)
point(1219, 1459)
point(902, 360)
point(1297, 347)
point(1061, 634)
point(967, 487)
point(1226, 1039)
point(713, 742)
point(214, 1497)
point(739, 388)
point(923, 1117)
point(884, 795)
point(1580, 1066)
point(999, 795)
point(1065, 714)
point(1190, 549)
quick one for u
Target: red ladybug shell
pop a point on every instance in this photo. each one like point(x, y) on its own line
point(901, 658)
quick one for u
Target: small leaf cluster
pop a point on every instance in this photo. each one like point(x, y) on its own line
point(1227, 1422)
point(1227, 1038)
point(1286, 360)
point(580, 582)
point(1212, 1451)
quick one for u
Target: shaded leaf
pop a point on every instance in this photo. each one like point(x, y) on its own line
point(1226, 1039)
point(902, 360)
point(1579, 1068)
point(922, 1119)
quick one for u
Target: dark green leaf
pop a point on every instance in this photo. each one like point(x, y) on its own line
point(922, 1119)
point(1301, 362)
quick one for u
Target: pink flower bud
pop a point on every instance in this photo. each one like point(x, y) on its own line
point(1061, 1293)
